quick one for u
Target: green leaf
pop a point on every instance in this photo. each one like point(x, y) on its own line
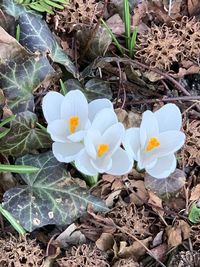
point(194, 215)
point(17, 169)
point(19, 77)
point(14, 9)
point(49, 196)
point(35, 35)
point(23, 136)
point(93, 89)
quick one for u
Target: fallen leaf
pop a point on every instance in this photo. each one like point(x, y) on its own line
point(156, 203)
point(129, 119)
point(111, 198)
point(160, 251)
point(105, 242)
point(71, 236)
point(116, 24)
point(135, 251)
point(177, 233)
point(195, 194)
point(139, 195)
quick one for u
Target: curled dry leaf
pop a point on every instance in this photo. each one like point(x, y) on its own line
point(195, 194)
point(156, 203)
point(105, 242)
point(166, 187)
point(129, 119)
point(135, 251)
point(160, 251)
point(177, 233)
point(139, 194)
point(71, 236)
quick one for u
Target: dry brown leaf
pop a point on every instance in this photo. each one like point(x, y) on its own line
point(116, 24)
point(160, 251)
point(193, 7)
point(105, 242)
point(129, 119)
point(135, 251)
point(195, 194)
point(177, 233)
point(139, 194)
point(111, 198)
point(156, 203)
point(71, 236)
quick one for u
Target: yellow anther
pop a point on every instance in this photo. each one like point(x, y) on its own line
point(102, 149)
point(73, 123)
point(152, 143)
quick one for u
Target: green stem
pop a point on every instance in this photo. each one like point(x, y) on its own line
point(12, 221)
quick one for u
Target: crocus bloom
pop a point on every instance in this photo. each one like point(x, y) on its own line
point(153, 144)
point(68, 119)
point(102, 152)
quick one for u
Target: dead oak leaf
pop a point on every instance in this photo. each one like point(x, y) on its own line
point(156, 203)
point(195, 194)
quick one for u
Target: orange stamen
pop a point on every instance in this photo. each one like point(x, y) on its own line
point(152, 143)
point(73, 123)
point(102, 149)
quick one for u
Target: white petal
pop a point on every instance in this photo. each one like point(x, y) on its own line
point(113, 137)
point(77, 137)
point(66, 152)
point(104, 119)
point(169, 118)
point(146, 159)
point(51, 106)
point(131, 142)
point(149, 127)
point(164, 167)
point(170, 142)
point(75, 104)
point(102, 164)
point(91, 141)
point(121, 163)
point(97, 105)
point(83, 164)
point(58, 130)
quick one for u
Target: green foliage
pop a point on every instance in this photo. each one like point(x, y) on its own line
point(130, 39)
point(194, 215)
point(48, 196)
point(24, 136)
point(43, 5)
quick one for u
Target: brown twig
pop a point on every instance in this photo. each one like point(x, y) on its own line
point(166, 75)
point(94, 31)
point(168, 99)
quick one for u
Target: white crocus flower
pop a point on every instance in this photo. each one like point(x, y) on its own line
point(102, 152)
point(153, 144)
point(68, 119)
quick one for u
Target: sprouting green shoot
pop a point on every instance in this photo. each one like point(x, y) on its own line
point(63, 89)
point(127, 24)
point(113, 37)
point(18, 168)
point(133, 42)
point(17, 35)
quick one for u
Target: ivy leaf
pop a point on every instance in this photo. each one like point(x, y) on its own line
point(35, 35)
point(166, 187)
point(23, 136)
point(49, 196)
point(93, 89)
point(19, 77)
point(14, 9)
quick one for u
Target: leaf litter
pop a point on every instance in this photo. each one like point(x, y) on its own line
point(150, 221)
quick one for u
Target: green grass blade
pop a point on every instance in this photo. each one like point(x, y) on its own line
point(127, 23)
point(113, 37)
point(4, 133)
point(17, 35)
point(12, 221)
point(133, 42)
point(18, 168)
point(41, 127)
point(63, 89)
point(53, 4)
point(7, 120)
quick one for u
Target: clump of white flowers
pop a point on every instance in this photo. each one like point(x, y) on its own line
point(91, 136)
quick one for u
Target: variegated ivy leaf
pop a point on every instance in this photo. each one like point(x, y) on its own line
point(93, 89)
point(13, 9)
point(35, 35)
point(24, 136)
point(49, 196)
point(20, 76)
